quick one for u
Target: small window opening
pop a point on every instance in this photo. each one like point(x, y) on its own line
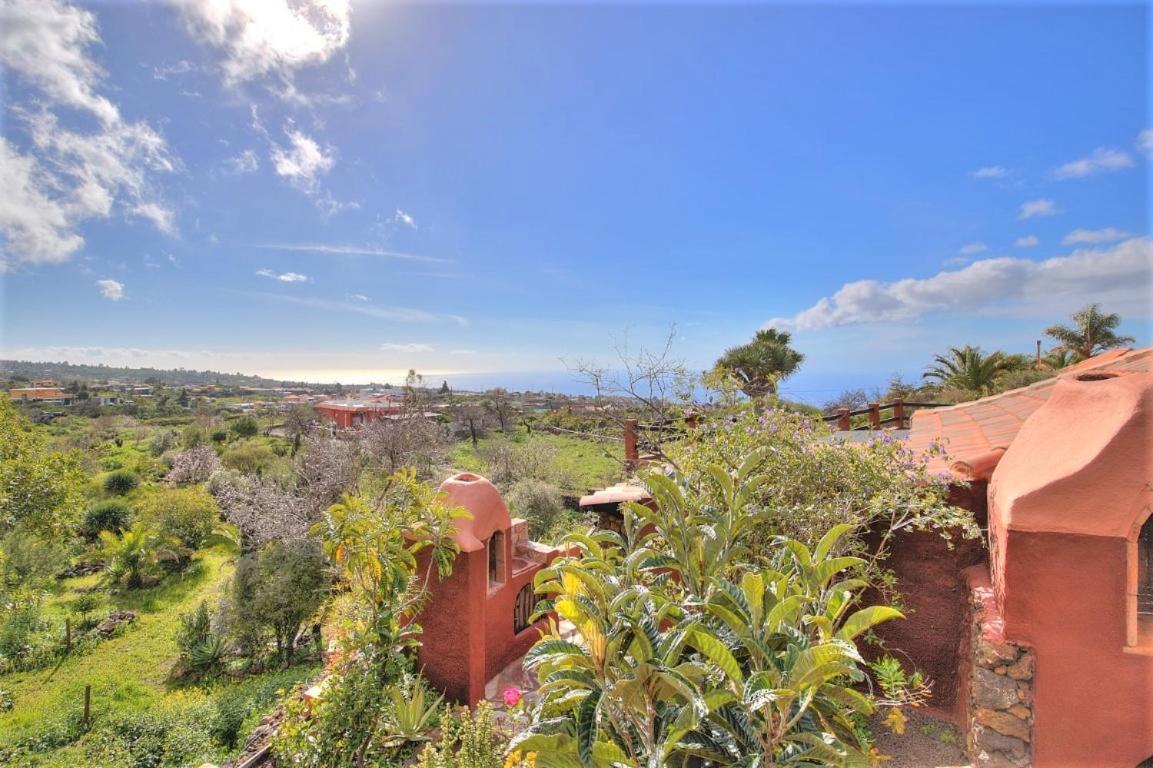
point(1145, 570)
point(496, 559)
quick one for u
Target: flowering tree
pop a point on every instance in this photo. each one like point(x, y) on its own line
point(195, 465)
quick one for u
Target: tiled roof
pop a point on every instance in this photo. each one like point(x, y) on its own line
point(972, 431)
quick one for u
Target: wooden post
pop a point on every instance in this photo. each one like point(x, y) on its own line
point(899, 412)
point(87, 704)
point(68, 635)
point(844, 421)
point(631, 455)
point(874, 415)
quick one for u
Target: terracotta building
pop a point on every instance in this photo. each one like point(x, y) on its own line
point(349, 414)
point(479, 619)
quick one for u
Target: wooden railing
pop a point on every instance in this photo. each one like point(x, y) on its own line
point(902, 411)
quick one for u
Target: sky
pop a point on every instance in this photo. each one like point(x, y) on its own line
point(326, 190)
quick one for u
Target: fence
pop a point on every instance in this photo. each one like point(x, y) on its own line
point(902, 412)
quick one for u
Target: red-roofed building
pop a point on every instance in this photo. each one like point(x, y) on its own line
point(349, 414)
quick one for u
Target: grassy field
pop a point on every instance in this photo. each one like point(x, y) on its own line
point(130, 671)
point(589, 464)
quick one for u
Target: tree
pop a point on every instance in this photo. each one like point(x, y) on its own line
point(40, 488)
point(1092, 333)
point(499, 404)
point(968, 368)
point(1058, 358)
point(187, 515)
point(279, 587)
point(193, 466)
point(760, 365)
point(245, 426)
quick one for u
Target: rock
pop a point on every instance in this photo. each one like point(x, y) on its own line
point(1021, 711)
point(993, 691)
point(988, 740)
point(990, 653)
point(1023, 669)
point(1003, 723)
point(1025, 694)
point(115, 620)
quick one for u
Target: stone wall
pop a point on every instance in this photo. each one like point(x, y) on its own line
point(1000, 685)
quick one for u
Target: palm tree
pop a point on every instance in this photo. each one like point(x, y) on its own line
point(1058, 358)
point(968, 368)
point(134, 553)
point(761, 364)
point(1092, 333)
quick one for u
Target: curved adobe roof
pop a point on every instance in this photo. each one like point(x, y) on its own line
point(483, 500)
point(975, 432)
point(1082, 462)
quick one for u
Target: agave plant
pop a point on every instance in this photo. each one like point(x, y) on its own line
point(688, 654)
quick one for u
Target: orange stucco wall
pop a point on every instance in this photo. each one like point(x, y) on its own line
point(1062, 504)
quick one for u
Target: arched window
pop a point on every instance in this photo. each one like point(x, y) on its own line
point(496, 559)
point(1141, 584)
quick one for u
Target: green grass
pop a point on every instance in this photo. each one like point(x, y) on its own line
point(590, 464)
point(130, 670)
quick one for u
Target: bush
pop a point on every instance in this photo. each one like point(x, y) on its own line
point(107, 515)
point(220, 436)
point(19, 627)
point(249, 459)
point(245, 426)
point(120, 482)
point(468, 741)
point(201, 649)
point(152, 738)
point(186, 514)
point(162, 442)
point(195, 465)
point(542, 505)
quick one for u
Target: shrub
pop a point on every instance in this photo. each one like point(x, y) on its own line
point(245, 426)
point(162, 442)
point(541, 504)
point(201, 649)
point(18, 629)
point(151, 739)
point(278, 588)
point(120, 482)
point(468, 741)
point(219, 436)
point(249, 459)
point(186, 514)
point(133, 555)
point(107, 515)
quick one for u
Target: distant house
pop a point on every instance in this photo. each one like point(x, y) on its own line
point(348, 414)
point(41, 394)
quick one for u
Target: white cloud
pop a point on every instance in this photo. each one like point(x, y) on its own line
point(111, 289)
point(1028, 241)
point(971, 249)
point(1145, 141)
point(1123, 271)
point(991, 172)
point(400, 314)
point(165, 71)
point(1099, 160)
point(405, 219)
point(284, 277)
point(46, 42)
point(245, 162)
point(65, 176)
point(393, 347)
point(303, 161)
point(1042, 207)
point(1092, 236)
point(270, 37)
point(356, 297)
point(347, 250)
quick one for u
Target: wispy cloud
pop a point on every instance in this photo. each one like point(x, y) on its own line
point(356, 297)
point(284, 277)
point(990, 172)
point(112, 290)
point(970, 249)
point(1034, 208)
point(1123, 270)
point(398, 314)
point(389, 346)
point(1100, 160)
point(1145, 141)
point(1028, 241)
point(348, 250)
point(1094, 236)
point(245, 162)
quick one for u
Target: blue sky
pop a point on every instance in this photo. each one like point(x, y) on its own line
point(325, 191)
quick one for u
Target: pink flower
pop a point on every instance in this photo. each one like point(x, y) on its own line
point(512, 697)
